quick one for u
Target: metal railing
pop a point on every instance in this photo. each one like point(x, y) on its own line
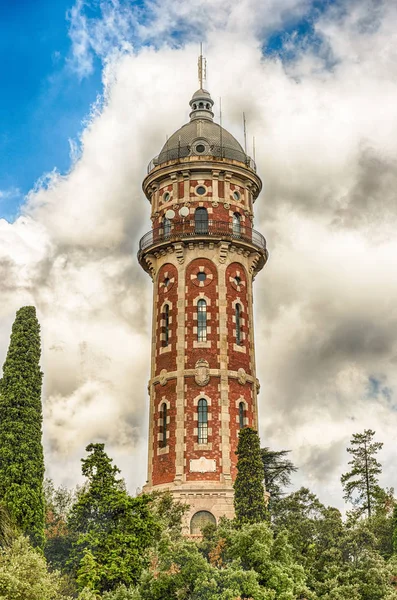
point(216, 151)
point(187, 229)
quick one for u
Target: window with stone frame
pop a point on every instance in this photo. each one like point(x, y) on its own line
point(166, 324)
point(201, 320)
point(163, 426)
point(202, 421)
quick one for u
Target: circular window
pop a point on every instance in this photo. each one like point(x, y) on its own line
point(201, 276)
point(236, 195)
point(200, 148)
point(237, 280)
point(200, 190)
point(166, 197)
point(166, 282)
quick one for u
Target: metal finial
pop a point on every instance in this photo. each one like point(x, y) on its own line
point(202, 67)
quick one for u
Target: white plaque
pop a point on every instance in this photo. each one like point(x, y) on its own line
point(202, 465)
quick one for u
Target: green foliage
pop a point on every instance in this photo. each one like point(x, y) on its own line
point(168, 512)
point(394, 528)
point(24, 574)
point(360, 484)
point(249, 494)
point(178, 570)
point(7, 528)
point(277, 472)
point(21, 451)
point(381, 522)
point(112, 530)
point(121, 593)
point(58, 538)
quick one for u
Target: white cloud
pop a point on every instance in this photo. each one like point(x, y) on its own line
point(326, 319)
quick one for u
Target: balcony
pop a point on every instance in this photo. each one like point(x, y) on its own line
point(188, 230)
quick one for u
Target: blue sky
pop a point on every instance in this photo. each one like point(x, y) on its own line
point(40, 94)
point(43, 94)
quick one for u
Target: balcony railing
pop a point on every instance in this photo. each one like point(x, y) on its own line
point(186, 229)
point(217, 151)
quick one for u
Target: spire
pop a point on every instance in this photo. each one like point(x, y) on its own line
point(202, 67)
point(201, 102)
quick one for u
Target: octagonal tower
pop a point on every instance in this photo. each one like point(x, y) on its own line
point(202, 254)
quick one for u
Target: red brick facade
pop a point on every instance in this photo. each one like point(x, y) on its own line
point(203, 386)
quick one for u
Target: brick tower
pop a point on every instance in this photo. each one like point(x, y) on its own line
point(202, 254)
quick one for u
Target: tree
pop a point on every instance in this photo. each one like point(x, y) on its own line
point(112, 530)
point(395, 529)
point(58, 538)
point(249, 494)
point(21, 451)
point(277, 472)
point(360, 485)
point(24, 574)
point(7, 528)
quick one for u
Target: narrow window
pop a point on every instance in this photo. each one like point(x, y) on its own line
point(166, 227)
point(202, 421)
point(163, 417)
point(239, 340)
point(166, 324)
point(241, 409)
point(201, 321)
point(236, 224)
point(201, 220)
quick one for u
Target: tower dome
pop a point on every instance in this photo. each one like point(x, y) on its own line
point(202, 137)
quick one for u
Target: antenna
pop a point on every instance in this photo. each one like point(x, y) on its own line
point(245, 133)
point(253, 149)
point(202, 67)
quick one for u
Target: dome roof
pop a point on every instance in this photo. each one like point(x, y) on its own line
point(201, 136)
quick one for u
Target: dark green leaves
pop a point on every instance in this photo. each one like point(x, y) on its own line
point(21, 451)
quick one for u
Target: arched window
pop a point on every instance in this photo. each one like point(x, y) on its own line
point(201, 320)
point(202, 421)
point(236, 223)
point(241, 410)
point(166, 324)
point(201, 220)
point(166, 227)
point(239, 339)
point(200, 520)
point(163, 417)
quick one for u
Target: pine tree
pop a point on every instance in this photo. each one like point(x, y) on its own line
point(277, 471)
point(249, 493)
point(21, 450)
point(361, 483)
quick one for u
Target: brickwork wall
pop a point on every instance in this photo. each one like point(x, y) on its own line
point(239, 393)
point(208, 290)
point(174, 377)
point(167, 293)
point(164, 457)
point(239, 354)
point(194, 450)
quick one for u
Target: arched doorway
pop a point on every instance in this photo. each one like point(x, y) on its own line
point(199, 520)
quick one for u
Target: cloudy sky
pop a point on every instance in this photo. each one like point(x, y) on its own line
point(89, 92)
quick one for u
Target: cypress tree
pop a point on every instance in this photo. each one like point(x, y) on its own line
point(21, 450)
point(249, 493)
